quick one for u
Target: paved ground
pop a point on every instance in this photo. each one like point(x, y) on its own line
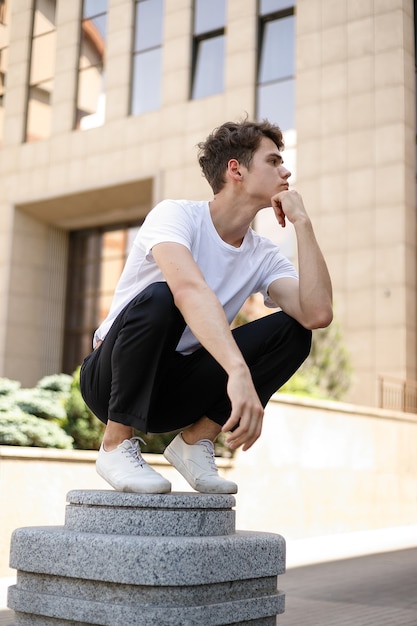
point(375, 590)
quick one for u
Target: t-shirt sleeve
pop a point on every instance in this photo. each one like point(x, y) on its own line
point(277, 267)
point(167, 222)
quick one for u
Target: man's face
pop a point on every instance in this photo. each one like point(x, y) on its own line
point(266, 175)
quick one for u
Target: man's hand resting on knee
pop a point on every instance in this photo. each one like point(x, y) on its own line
point(247, 411)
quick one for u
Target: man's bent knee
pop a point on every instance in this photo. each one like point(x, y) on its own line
point(158, 298)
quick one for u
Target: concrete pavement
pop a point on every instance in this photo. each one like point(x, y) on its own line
point(373, 590)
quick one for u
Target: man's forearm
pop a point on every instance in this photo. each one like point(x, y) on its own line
point(315, 283)
point(205, 316)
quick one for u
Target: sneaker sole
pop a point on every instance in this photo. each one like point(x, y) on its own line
point(180, 466)
point(150, 490)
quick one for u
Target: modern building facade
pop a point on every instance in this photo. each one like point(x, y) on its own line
point(102, 104)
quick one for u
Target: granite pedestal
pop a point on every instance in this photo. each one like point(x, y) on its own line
point(127, 559)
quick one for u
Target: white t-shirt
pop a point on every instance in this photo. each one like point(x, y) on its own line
point(232, 273)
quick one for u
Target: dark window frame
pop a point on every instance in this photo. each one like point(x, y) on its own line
point(262, 21)
point(29, 85)
point(4, 50)
point(83, 288)
point(136, 53)
point(197, 39)
point(79, 114)
point(3, 11)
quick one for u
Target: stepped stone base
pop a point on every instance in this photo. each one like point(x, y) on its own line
point(127, 559)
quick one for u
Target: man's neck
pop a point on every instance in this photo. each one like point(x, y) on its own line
point(231, 218)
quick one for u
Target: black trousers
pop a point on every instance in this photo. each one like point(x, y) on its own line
point(137, 378)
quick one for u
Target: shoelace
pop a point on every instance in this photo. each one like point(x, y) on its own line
point(134, 451)
point(209, 448)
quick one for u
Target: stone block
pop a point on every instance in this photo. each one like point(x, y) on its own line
point(131, 559)
point(177, 514)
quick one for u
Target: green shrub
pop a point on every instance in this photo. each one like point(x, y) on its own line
point(327, 371)
point(60, 383)
point(41, 403)
point(8, 386)
point(20, 429)
point(37, 402)
point(157, 442)
point(8, 404)
point(302, 384)
point(33, 417)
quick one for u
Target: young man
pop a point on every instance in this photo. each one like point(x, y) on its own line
point(165, 357)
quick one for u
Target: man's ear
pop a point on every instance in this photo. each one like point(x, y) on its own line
point(233, 169)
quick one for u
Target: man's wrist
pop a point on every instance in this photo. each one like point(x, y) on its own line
point(302, 221)
point(238, 368)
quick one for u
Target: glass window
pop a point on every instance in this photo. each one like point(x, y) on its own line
point(4, 24)
point(42, 70)
point(276, 102)
point(4, 57)
point(44, 18)
point(277, 59)
point(3, 11)
point(275, 98)
point(147, 56)
point(209, 45)
point(276, 69)
point(272, 6)
point(4, 53)
point(92, 8)
point(3, 70)
point(91, 98)
point(209, 15)
point(148, 24)
point(96, 260)
point(209, 67)
point(42, 62)
point(147, 71)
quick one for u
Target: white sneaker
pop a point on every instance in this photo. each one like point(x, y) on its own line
point(125, 470)
point(196, 463)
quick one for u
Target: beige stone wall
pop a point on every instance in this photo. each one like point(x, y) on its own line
point(322, 468)
point(355, 167)
point(319, 469)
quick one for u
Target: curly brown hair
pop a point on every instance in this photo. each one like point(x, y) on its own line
point(233, 140)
